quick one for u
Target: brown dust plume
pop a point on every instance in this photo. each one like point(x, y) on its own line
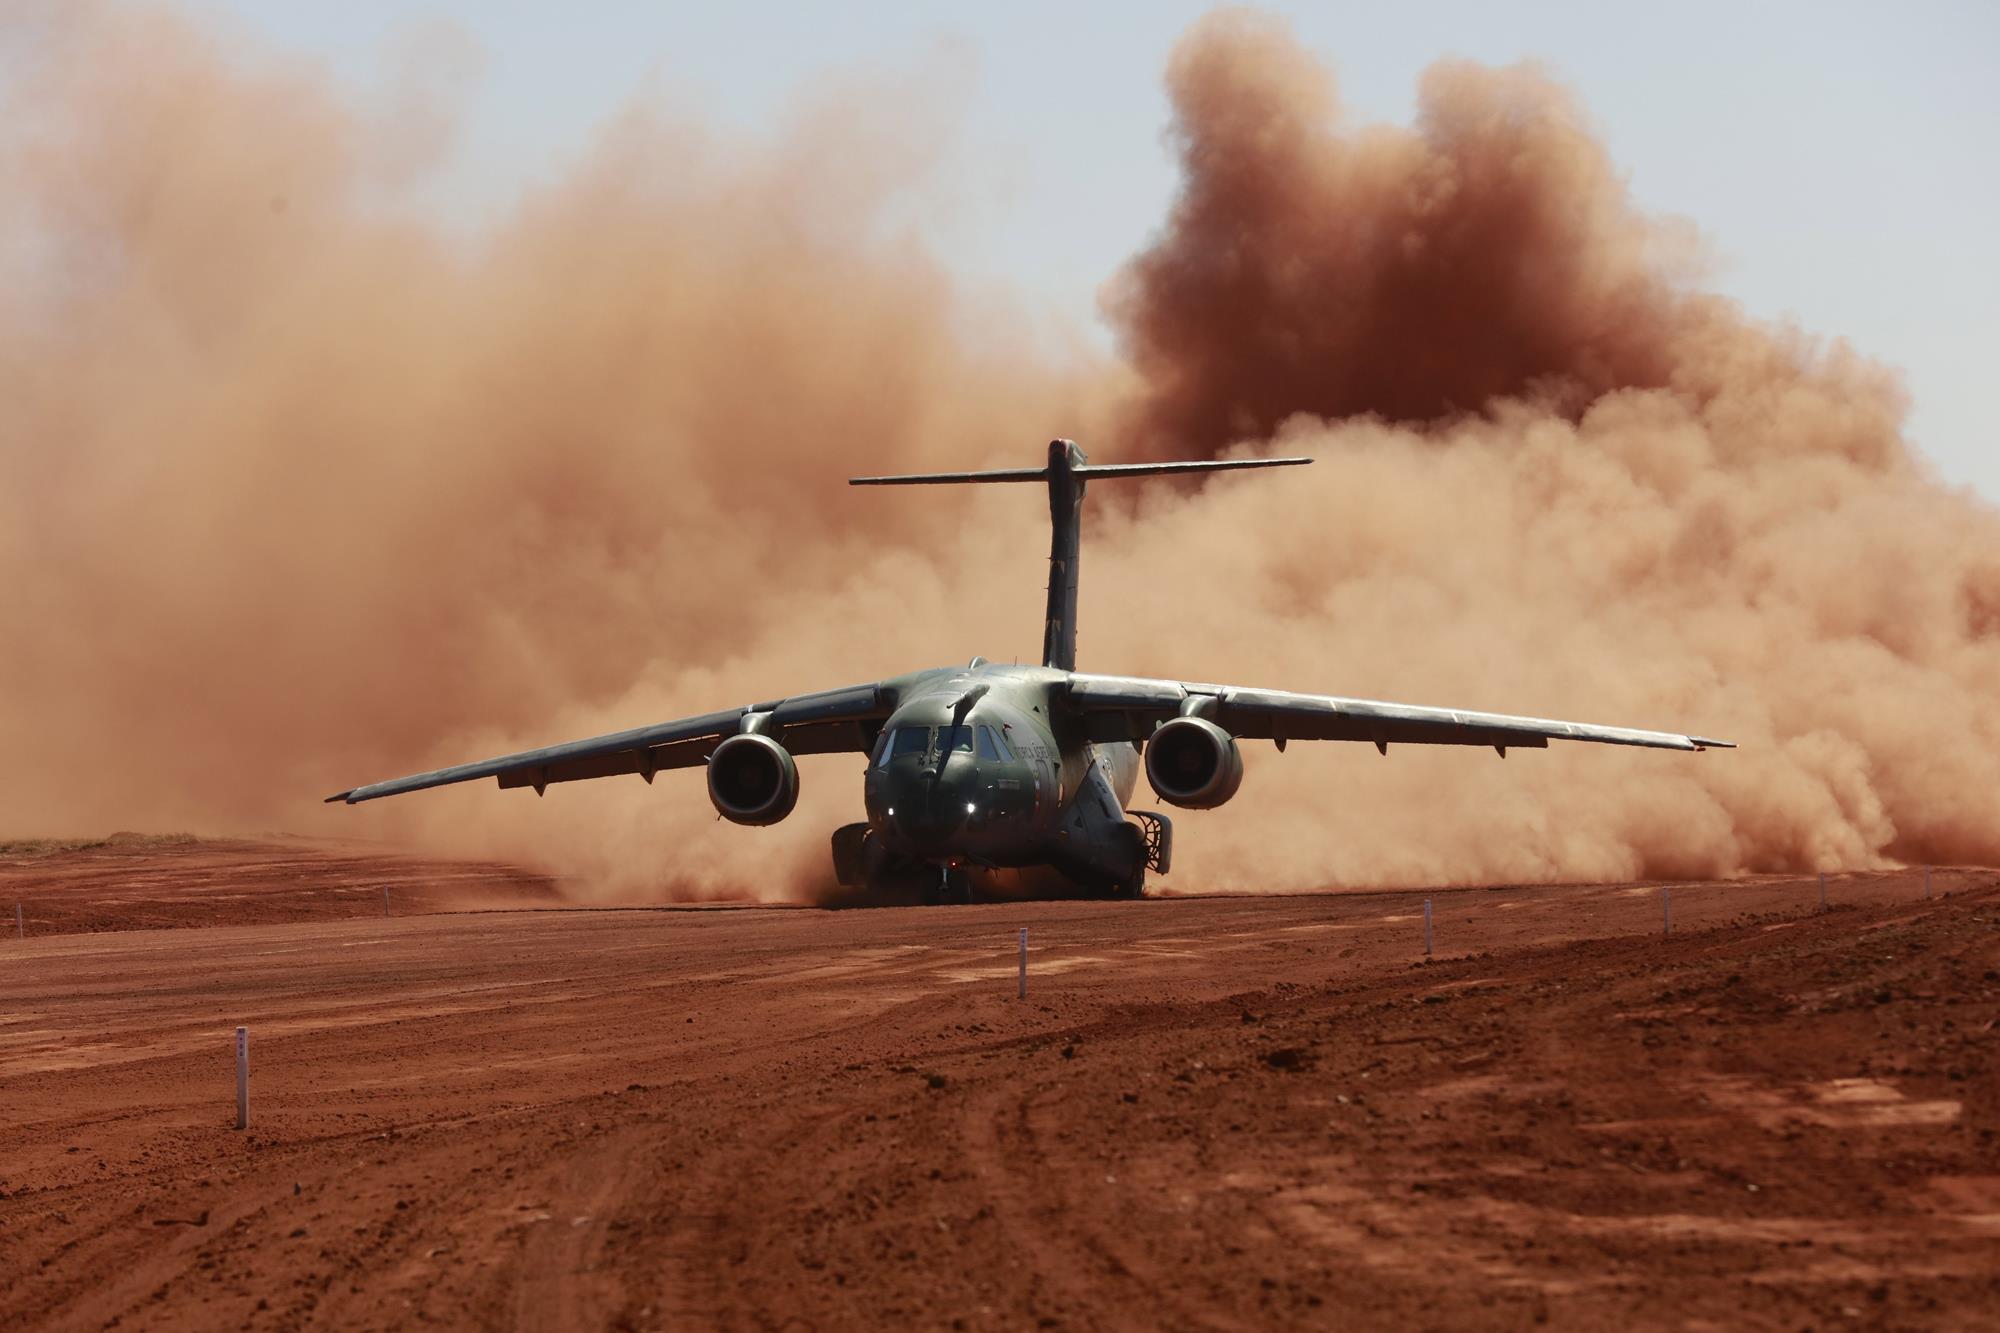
point(297, 491)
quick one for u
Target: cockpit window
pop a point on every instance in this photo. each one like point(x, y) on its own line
point(989, 744)
point(909, 740)
point(954, 738)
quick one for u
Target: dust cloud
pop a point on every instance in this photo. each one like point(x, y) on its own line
point(298, 490)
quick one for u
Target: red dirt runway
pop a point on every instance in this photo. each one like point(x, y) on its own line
point(1209, 1112)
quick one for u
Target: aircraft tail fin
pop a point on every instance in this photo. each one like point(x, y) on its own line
point(1066, 474)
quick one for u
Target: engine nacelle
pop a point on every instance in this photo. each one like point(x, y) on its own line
point(1193, 763)
point(752, 780)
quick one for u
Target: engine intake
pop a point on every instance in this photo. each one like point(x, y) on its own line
point(1194, 764)
point(752, 780)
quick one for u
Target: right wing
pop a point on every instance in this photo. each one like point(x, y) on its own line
point(1128, 708)
point(827, 722)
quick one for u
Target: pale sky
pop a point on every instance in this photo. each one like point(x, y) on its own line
point(1841, 159)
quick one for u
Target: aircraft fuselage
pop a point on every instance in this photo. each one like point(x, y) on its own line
point(980, 773)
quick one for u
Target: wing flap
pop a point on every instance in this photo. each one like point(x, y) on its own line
point(826, 722)
point(843, 737)
point(828, 705)
point(661, 758)
point(1130, 707)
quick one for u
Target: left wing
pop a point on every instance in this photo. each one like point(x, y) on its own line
point(1127, 708)
point(827, 722)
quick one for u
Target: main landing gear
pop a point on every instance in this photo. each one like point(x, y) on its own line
point(1151, 839)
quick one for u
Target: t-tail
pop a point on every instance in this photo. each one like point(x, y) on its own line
point(1066, 474)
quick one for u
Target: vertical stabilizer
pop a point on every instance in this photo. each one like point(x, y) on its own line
point(1065, 475)
point(1065, 554)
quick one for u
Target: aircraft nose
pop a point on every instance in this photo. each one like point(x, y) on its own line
point(929, 810)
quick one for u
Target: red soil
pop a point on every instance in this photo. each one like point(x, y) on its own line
point(1224, 1111)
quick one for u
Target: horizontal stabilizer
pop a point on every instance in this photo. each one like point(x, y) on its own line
point(1173, 469)
point(1086, 471)
point(946, 478)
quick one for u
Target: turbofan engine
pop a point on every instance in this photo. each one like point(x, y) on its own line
point(752, 780)
point(1193, 763)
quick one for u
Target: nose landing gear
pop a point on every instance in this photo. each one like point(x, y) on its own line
point(953, 887)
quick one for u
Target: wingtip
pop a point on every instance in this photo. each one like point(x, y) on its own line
point(1704, 743)
point(346, 796)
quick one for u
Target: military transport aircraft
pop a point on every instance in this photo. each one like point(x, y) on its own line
point(1012, 780)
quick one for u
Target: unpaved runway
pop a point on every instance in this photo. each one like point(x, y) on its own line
point(1208, 1113)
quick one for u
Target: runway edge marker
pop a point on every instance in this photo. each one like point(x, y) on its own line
point(243, 1078)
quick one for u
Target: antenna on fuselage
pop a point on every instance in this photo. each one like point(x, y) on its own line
point(1066, 474)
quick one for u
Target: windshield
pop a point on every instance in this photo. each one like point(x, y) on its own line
point(902, 742)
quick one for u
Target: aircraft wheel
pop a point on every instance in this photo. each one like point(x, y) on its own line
point(850, 855)
point(952, 887)
point(957, 886)
point(1133, 885)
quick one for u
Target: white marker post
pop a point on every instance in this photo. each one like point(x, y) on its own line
point(1927, 883)
point(1822, 890)
point(1022, 989)
point(243, 1078)
point(1666, 910)
point(1427, 928)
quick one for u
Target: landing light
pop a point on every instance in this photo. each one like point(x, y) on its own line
point(971, 809)
point(891, 812)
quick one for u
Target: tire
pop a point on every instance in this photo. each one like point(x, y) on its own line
point(951, 888)
point(1134, 885)
point(958, 887)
